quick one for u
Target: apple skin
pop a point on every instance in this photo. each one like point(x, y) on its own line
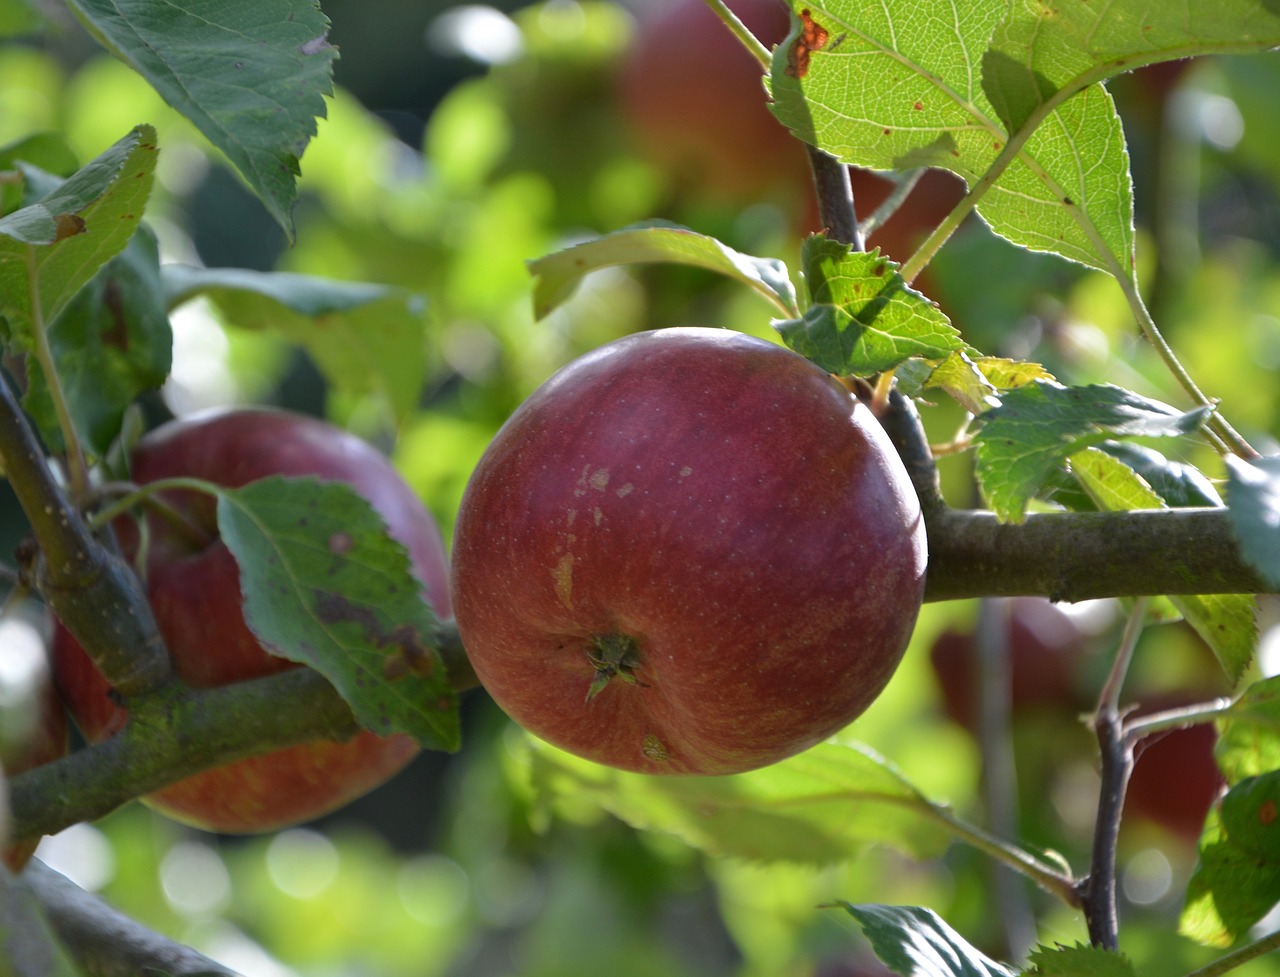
point(1045, 650)
point(195, 594)
point(722, 504)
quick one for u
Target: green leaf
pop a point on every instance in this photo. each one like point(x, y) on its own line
point(1253, 497)
point(897, 85)
point(1251, 818)
point(559, 274)
point(110, 344)
point(914, 941)
point(1227, 622)
point(974, 382)
point(47, 150)
point(1249, 733)
point(367, 339)
point(1039, 425)
point(326, 586)
point(1180, 485)
point(1230, 888)
point(823, 806)
point(250, 74)
point(864, 319)
point(1041, 56)
point(52, 248)
point(1079, 961)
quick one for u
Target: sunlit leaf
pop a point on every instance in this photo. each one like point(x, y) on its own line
point(1249, 733)
point(50, 249)
point(898, 85)
point(1180, 485)
point(820, 807)
point(974, 382)
point(916, 942)
point(1079, 961)
point(367, 339)
point(1042, 55)
point(326, 586)
point(110, 344)
point(1039, 425)
point(559, 274)
point(1253, 496)
point(250, 74)
point(1227, 622)
point(1230, 888)
point(863, 318)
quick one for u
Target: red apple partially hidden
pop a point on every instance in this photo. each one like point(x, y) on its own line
point(690, 551)
point(194, 589)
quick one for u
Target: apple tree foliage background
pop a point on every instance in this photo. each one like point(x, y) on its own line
point(381, 239)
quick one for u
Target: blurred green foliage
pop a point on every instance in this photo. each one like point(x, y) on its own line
point(516, 161)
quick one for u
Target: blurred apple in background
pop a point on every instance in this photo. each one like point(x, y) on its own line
point(1046, 646)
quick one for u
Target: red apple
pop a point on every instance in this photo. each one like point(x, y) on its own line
point(695, 101)
point(1045, 648)
point(194, 590)
point(689, 551)
point(1175, 777)
point(35, 732)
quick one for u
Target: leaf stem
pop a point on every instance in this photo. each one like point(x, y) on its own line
point(149, 496)
point(1050, 879)
point(1191, 715)
point(1229, 438)
point(77, 465)
point(938, 237)
point(902, 187)
point(1239, 957)
point(742, 33)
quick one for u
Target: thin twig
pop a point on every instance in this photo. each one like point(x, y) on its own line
point(902, 187)
point(1098, 888)
point(999, 769)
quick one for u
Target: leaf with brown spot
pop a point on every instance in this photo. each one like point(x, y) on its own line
point(354, 613)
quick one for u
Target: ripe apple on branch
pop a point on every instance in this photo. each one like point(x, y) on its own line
point(769, 506)
point(193, 585)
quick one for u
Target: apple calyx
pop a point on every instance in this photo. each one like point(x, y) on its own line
point(614, 656)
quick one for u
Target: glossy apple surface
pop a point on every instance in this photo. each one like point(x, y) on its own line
point(690, 551)
point(194, 589)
